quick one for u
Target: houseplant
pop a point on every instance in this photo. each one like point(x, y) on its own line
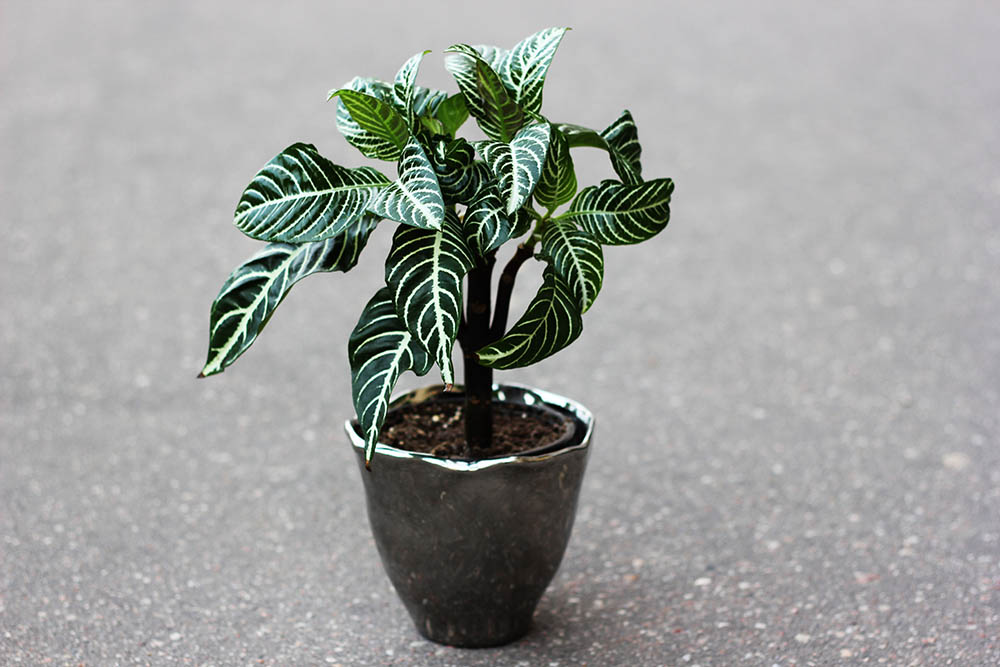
point(457, 203)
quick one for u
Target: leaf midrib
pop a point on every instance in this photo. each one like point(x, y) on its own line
point(572, 214)
point(249, 309)
point(313, 193)
point(577, 266)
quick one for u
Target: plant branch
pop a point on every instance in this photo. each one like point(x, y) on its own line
point(506, 288)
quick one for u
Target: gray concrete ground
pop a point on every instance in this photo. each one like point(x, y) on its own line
point(797, 385)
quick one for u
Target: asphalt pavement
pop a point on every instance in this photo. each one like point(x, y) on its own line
point(797, 384)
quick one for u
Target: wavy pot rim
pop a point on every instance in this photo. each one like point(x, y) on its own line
point(526, 394)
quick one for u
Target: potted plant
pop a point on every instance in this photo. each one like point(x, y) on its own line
point(471, 489)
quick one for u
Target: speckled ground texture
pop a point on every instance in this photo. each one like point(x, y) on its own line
point(797, 384)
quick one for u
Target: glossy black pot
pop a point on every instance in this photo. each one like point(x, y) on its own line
point(470, 546)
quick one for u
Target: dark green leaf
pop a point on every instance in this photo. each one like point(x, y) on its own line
point(557, 184)
point(525, 67)
point(551, 322)
point(620, 140)
point(577, 135)
point(424, 270)
point(427, 100)
point(577, 257)
point(521, 223)
point(620, 214)
point(252, 292)
point(517, 165)
point(498, 115)
point(300, 197)
point(623, 142)
point(454, 165)
point(486, 225)
point(380, 350)
point(405, 82)
point(415, 198)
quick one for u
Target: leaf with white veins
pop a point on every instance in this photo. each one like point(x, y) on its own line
point(380, 350)
point(386, 128)
point(486, 97)
point(577, 257)
point(426, 101)
point(623, 146)
point(557, 184)
point(454, 165)
point(403, 87)
point(369, 145)
point(252, 292)
point(620, 140)
point(524, 68)
point(551, 322)
point(517, 165)
point(620, 214)
point(486, 225)
point(415, 198)
point(301, 197)
point(424, 270)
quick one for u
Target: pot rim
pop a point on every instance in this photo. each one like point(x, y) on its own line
point(553, 400)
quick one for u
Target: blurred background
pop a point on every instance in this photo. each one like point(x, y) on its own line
point(796, 383)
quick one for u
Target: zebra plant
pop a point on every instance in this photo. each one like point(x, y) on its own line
point(456, 202)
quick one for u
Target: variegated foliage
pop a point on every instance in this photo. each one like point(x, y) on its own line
point(415, 198)
point(577, 257)
point(455, 210)
point(623, 146)
point(301, 197)
point(524, 68)
point(488, 100)
point(517, 166)
point(424, 271)
point(381, 130)
point(486, 224)
point(404, 85)
point(422, 102)
point(551, 322)
point(619, 214)
point(252, 292)
point(620, 140)
point(521, 70)
point(459, 175)
point(380, 350)
point(557, 182)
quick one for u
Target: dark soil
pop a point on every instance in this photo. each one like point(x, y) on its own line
point(438, 428)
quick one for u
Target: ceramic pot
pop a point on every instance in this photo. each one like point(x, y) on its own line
point(470, 546)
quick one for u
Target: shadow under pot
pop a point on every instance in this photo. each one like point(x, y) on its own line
point(471, 546)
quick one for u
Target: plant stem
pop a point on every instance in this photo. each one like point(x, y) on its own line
point(478, 378)
point(506, 288)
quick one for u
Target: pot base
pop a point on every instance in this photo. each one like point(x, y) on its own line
point(483, 632)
